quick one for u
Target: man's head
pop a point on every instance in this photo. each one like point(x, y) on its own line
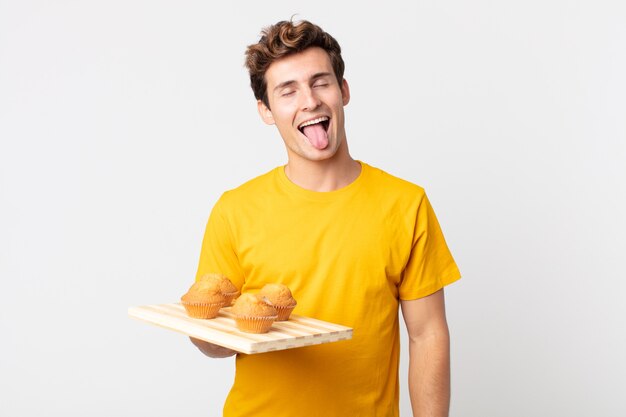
point(284, 39)
point(297, 77)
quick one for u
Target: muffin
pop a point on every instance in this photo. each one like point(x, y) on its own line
point(226, 286)
point(204, 299)
point(280, 297)
point(253, 314)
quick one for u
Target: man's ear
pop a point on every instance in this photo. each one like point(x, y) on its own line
point(345, 92)
point(265, 113)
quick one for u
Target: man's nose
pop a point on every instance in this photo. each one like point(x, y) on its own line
point(310, 101)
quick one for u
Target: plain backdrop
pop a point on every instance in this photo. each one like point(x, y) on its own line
point(121, 123)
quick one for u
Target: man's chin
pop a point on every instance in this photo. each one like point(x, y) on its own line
point(314, 155)
point(325, 154)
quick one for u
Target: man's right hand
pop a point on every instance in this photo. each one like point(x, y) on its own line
point(212, 350)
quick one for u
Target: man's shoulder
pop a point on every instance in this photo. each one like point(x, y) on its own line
point(386, 182)
point(252, 188)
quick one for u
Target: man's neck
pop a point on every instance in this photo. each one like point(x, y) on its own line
point(323, 176)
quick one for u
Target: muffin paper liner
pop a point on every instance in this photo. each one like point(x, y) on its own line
point(202, 310)
point(251, 324)
point(284, 312)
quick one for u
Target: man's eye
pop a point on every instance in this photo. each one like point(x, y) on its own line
point(287, 93)
point(320, 85)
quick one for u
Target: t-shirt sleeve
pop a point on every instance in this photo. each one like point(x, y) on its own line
point(218, 253)
point(430, 266)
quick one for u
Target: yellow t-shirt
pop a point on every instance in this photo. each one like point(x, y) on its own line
point(348, 257)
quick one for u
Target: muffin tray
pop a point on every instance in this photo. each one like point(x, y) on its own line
point(298, 331)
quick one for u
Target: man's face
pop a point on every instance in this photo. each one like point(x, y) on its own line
point(306, 103)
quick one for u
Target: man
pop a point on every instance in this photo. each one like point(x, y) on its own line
point(351, 242)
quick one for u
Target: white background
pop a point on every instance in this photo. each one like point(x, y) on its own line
point(121, 122)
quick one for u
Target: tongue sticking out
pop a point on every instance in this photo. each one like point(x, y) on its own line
point(317, 135)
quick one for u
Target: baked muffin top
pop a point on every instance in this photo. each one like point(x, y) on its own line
point(226, 286)
point(278, 294)
point(253, 305)
point(204, 291)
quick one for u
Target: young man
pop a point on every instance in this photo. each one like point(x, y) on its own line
point(352, 242)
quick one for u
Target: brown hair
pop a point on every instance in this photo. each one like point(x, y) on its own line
point(283, 39)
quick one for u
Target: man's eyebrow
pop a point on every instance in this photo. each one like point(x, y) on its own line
point(320, 75)
point(313, 78)
point(284, 84)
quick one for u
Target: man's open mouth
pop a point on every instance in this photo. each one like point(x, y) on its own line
point(316, 131)
point(324, 121)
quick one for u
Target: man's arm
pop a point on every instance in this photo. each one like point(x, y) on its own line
point(429, 355)
point(211, 350)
